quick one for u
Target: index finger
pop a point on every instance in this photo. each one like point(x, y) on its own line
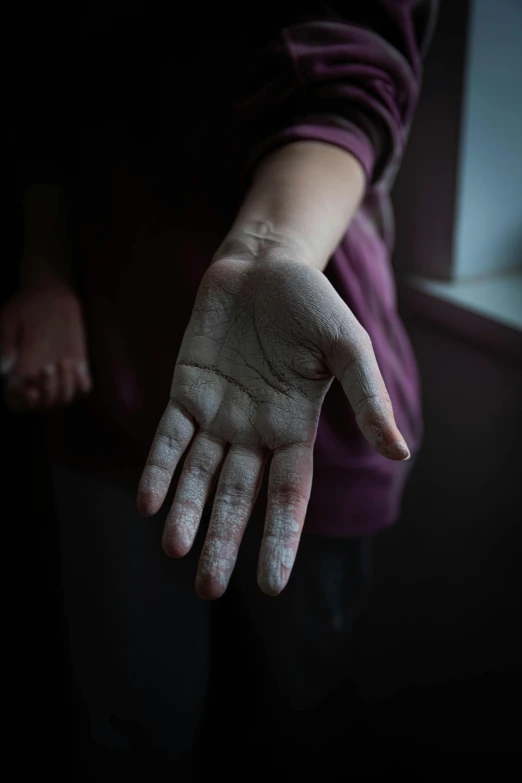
point(173, 435)
point(289, 487)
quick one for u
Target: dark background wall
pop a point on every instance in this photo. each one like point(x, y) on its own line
point(448, 586)
point(425, 192)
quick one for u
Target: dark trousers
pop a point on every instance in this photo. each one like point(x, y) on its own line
point(158, 668)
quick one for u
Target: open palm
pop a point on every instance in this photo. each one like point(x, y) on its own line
point(264, 343)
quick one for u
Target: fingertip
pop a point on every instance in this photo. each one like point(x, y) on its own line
point(173, 548)
point(270, 583)
point(172, 552)
point(207, 589)
point(387, 441)
point(148, 503)
point(399, 451)
point(269, 588)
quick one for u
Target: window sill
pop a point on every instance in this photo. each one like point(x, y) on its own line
point(486, 311)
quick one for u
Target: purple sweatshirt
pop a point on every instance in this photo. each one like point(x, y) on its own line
point(160, 128)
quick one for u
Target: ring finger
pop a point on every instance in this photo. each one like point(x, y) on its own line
point(236, 494)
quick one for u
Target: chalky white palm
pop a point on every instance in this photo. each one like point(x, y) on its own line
point(264, 343)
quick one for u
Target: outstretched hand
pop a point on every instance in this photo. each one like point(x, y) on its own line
point(265, 340)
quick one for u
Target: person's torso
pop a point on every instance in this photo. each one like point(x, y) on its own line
point(155, 194)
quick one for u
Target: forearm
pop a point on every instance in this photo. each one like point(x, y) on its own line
point(302, 195)
point(46, 256)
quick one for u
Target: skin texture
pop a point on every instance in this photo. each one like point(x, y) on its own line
point(267, 336)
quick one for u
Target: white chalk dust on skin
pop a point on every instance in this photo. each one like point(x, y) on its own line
point(278, 549)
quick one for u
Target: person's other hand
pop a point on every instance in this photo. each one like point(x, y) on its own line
point(43, 349)
point(264, 342)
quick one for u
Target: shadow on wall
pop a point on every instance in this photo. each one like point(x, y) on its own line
point(447, 595)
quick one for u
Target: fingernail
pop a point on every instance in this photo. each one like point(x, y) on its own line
point(399, 449)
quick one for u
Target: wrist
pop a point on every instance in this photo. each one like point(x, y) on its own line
point(39, 272)
point(258, 240)
point(301, 197)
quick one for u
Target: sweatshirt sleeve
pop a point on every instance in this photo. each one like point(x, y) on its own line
point(345, 73)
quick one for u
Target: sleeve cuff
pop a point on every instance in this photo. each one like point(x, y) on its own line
point(352, 139)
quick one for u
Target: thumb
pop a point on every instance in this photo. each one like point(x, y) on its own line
point(352, 360)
